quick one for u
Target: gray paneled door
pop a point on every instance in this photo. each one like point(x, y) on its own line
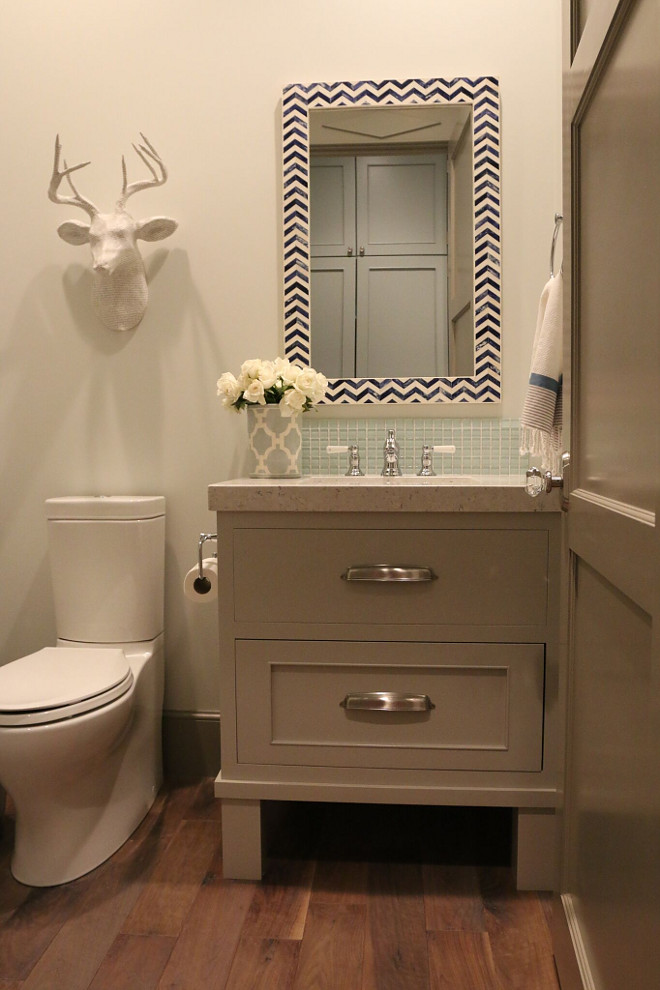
point(379, 265)
point(611, 878)
point(388, 289)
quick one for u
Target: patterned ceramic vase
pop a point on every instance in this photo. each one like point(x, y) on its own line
point(274, 443)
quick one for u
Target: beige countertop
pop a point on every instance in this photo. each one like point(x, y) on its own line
point(485, 493)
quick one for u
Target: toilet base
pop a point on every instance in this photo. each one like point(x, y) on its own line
point(102, 839)
point(78, 819)
point(79, 795)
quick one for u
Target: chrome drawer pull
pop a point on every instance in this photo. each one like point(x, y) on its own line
point(387, 701)
point(387, 572)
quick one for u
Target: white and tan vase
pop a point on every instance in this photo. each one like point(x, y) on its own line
point(274, 443)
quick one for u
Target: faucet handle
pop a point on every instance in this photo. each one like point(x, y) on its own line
point(426, 470)
point(354, 469)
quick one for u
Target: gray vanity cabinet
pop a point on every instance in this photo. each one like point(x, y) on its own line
point(392, 658)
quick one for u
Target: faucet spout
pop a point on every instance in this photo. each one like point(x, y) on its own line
point(391, 468)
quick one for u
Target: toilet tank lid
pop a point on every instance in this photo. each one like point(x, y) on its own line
point(105, 507)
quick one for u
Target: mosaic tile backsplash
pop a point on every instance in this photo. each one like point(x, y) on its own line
point(483, 446)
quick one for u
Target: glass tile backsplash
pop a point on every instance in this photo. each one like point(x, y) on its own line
point(483, 446)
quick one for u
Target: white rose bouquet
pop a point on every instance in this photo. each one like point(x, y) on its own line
point(277, 382)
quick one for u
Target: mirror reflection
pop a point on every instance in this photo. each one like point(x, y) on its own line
point(391, 241)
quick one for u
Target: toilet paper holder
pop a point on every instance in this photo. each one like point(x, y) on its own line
point(202, 583)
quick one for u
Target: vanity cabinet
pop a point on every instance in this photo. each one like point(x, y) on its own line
point(390, 657)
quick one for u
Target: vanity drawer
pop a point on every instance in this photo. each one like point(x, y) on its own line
point(484, 708)
point(485, 577)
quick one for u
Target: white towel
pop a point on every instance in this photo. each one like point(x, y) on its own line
point(541, 418)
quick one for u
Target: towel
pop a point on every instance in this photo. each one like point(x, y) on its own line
point(541, 418)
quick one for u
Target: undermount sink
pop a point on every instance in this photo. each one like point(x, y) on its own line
point(377, 479)
point(435, 479)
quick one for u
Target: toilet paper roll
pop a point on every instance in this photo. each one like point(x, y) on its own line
point(204, 589)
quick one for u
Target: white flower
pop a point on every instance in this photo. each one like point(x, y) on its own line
point(294, 401)
point(287, 372)
point(312, 384)
point(255, 393)
point(295, 388)
point(228, 388)
point(280, 364)
point(306, 380)
point(320, 387)
point(251, 369)
point(267, 374)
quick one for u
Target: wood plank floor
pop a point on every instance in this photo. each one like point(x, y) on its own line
point(354, 898)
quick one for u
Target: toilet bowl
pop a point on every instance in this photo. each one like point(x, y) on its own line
point(80, 723)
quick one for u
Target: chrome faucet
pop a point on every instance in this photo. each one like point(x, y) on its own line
point(354, 469)
point(391, 467)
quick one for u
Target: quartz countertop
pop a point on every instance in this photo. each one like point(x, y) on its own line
point(442, 493)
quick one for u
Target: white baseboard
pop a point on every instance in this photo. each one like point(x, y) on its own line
point(581, 956)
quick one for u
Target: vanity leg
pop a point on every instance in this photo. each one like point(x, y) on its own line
point(241, 839)
point(536, 849)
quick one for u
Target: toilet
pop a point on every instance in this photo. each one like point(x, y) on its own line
point(80, 722)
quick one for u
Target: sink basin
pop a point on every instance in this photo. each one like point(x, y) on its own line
point(436, 479)
point(378, 480)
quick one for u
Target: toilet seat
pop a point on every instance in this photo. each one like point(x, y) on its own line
point(58, 683)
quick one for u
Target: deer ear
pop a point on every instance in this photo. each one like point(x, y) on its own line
point(155, 229)
point(74, 232)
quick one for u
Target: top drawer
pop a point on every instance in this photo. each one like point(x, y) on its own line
point(481, 577)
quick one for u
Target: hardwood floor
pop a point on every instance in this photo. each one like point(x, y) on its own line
point(355, 898)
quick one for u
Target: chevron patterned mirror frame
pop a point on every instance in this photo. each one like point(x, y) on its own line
point(482, 94)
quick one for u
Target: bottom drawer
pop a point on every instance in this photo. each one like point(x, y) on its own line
point(485, 704)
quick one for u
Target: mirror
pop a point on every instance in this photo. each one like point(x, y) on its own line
point(388, 259)
point(428, 152)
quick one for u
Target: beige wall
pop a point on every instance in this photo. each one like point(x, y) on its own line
point(86, 410)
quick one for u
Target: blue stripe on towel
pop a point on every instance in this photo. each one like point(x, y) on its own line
point(544, 382)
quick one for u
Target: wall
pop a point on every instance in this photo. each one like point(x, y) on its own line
point(86, 410)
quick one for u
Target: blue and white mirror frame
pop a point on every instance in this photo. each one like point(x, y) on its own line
point(483, 94)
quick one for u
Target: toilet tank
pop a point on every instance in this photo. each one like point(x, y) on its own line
point(107, 562)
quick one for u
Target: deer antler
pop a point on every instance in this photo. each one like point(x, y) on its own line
point(56, 178)
point(146, 152)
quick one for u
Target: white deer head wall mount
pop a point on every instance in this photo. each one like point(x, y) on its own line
point(119, 290)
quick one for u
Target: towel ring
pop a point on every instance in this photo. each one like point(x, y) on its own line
point(558, 222)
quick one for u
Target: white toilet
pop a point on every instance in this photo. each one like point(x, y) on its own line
point(80, 723)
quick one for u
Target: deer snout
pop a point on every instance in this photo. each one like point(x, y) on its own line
point(110, 253)
point(112, 240)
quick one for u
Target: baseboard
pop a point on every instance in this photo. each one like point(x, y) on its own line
point(191, 745)
point(570, 954)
